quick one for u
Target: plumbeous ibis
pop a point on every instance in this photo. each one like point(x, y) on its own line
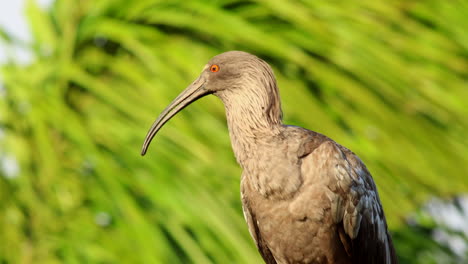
point(306, 199)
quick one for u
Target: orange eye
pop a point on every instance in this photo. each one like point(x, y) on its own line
point(214, 68)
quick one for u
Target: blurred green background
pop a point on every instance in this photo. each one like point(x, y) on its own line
point(387, 79)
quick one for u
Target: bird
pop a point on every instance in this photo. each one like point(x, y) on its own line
point(305, 198)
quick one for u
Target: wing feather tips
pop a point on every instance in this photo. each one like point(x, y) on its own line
point(363, 221)
point(366, 250)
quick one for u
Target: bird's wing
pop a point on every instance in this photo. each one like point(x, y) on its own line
point(254, 230)
point(363, 217)
point(355, 205)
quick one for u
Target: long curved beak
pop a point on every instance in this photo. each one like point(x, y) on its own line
point(193, 92)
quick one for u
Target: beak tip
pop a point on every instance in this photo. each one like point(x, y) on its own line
point(143, 152)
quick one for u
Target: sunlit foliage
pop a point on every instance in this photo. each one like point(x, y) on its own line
point(387, 79)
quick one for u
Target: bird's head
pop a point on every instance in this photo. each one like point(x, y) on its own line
point(229, 73)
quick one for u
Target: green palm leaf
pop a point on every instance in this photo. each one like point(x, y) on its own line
point(387, 80)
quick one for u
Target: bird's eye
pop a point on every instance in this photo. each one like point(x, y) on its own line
point(214, 68)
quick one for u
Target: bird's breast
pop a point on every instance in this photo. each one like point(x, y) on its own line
point(274, 173)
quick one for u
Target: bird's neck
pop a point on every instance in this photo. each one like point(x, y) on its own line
point(252, 120)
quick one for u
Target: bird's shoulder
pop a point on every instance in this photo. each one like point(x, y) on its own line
point(304, 141)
